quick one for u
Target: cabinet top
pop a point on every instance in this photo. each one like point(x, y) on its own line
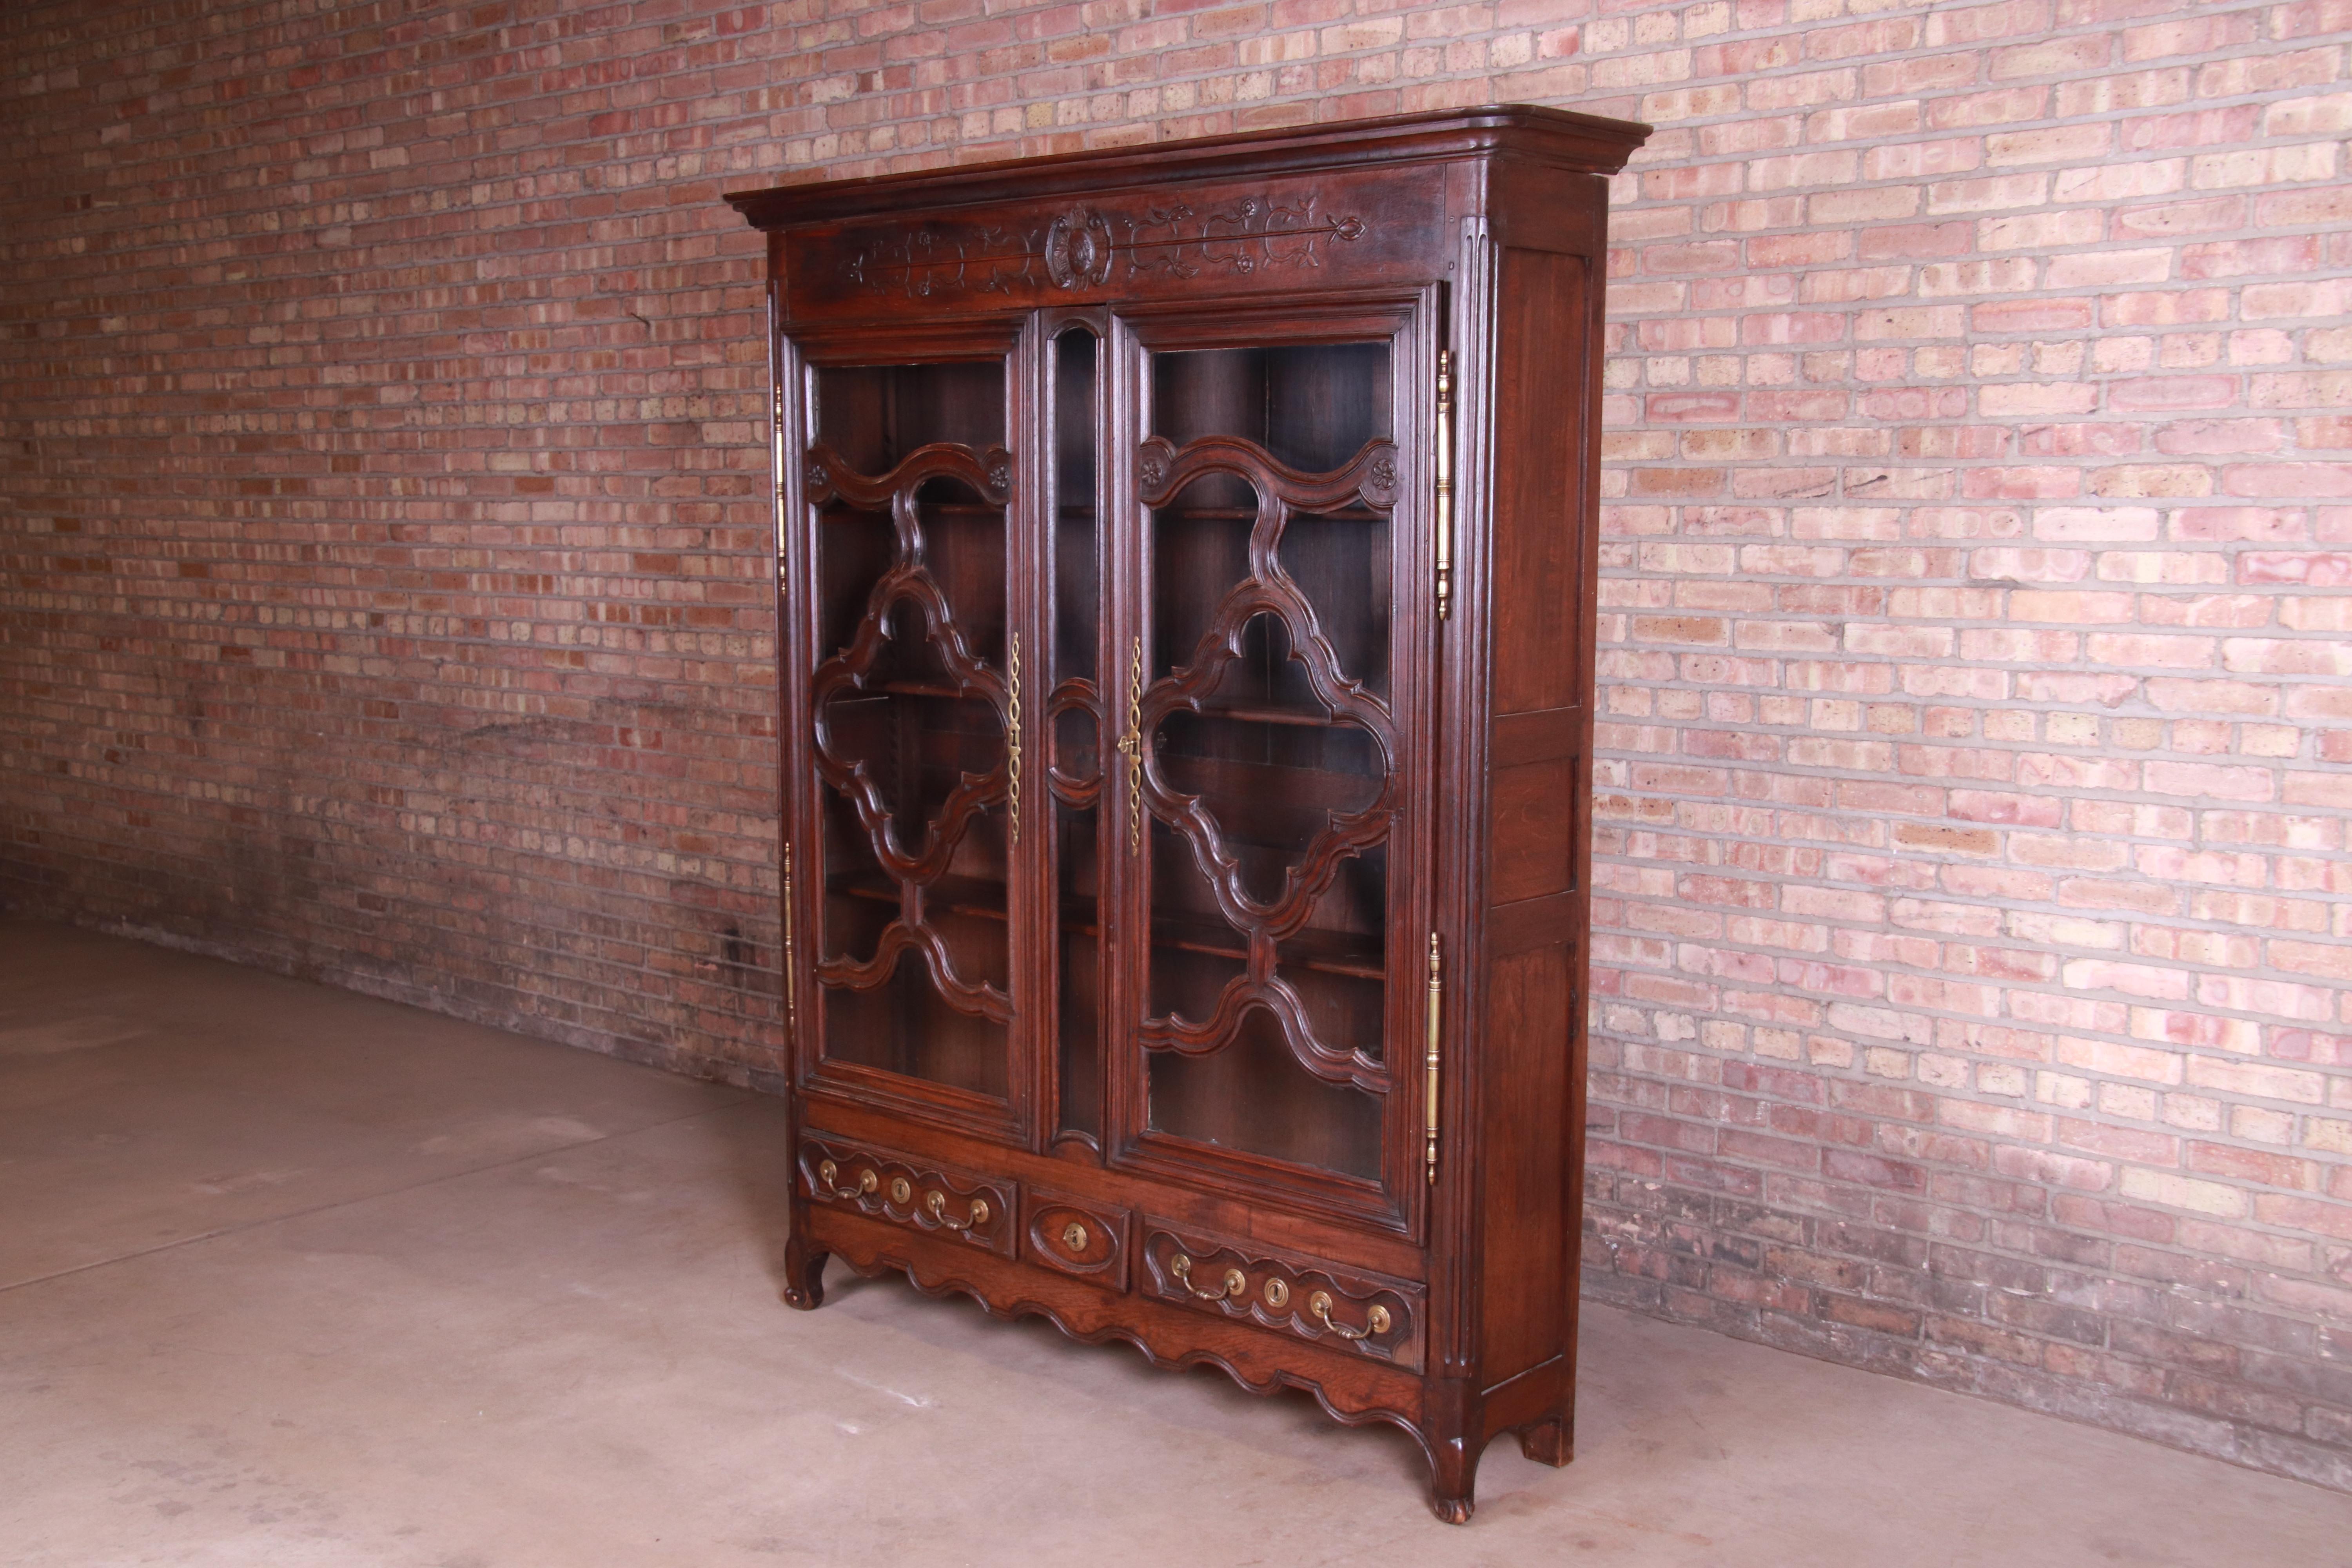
point(1557, 137)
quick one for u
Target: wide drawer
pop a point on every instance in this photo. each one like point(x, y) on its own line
point(920, 1195)
point(1304, 1298)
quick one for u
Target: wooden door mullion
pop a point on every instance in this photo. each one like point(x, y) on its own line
point(1030, 914)
point(1126, 890)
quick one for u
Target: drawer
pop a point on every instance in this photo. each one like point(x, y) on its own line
point(1345, 1309)
point(1077, 1237)
point(920, 1195)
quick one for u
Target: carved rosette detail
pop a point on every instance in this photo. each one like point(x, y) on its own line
point(1163, 471)
point(1078, 250)
point(909, 582)
point(1292, 1296)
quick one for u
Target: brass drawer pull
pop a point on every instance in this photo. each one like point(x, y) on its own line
point(1235, 1284)
point(1376, 1321)
point(938, 1204)
point(826, 1172)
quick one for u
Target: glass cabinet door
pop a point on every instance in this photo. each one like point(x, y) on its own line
point(1262, 742)
point(912, 698)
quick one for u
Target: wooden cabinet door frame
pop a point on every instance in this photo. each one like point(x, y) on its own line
point(800, 356)
point(1412, 322)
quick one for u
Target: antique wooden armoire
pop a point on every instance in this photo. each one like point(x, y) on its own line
point(1186, 560)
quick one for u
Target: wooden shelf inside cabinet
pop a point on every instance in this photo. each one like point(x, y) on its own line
point(1295, 717)
point(1349, 953)
point(972, 897)
point(1082, 1074)
point(1166, 514)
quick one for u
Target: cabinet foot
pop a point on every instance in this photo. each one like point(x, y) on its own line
point(1548, 1442)
point(803, 1276)
point(1456, 1482)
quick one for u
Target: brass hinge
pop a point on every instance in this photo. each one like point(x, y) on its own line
point(776, 448)
point(788, 933)
point(1436, 1018)
point(1445, 483)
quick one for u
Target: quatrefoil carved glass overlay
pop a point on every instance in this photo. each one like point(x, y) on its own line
point(911, 712)
point(1268, 769)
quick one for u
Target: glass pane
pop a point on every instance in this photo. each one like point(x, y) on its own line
point(909, 696)
point(1081, 958)
point(1076, 731)
point(1251, 1095)
point(1311, 406)
point(1076, 600)
point(1270, 800)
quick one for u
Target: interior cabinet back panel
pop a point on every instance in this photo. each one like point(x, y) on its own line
point(1155, 527)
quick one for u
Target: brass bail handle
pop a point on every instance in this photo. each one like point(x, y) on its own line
point(1376, 1321)
point(937, 1202)
point(828, 1181)
point(1234, 1284)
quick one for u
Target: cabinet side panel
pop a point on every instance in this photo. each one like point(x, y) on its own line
point(1539, 822)
point(1539, 383)
point(1524, 1230)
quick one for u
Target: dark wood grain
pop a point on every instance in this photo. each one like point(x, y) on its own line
point(1132, 781)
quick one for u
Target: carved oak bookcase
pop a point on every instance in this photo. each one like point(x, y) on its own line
point(1186, 567)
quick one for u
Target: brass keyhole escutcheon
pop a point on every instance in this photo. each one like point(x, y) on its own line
point(1074, 1236)
point(900, 1189)
point(1277, 1294)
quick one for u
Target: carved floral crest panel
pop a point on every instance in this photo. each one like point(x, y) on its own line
point(1289, 235)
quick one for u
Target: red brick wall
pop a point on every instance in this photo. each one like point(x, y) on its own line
point(385, 590)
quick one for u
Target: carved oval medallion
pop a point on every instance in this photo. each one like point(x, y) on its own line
point(1078, 248)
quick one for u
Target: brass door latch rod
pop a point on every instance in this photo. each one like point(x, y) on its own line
point(1130, 746)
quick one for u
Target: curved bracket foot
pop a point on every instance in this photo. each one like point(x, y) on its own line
point(803, 1276)
point(1455, 1480)
point(1548, 1442)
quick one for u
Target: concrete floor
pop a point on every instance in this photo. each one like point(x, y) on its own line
point(291, 1276)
